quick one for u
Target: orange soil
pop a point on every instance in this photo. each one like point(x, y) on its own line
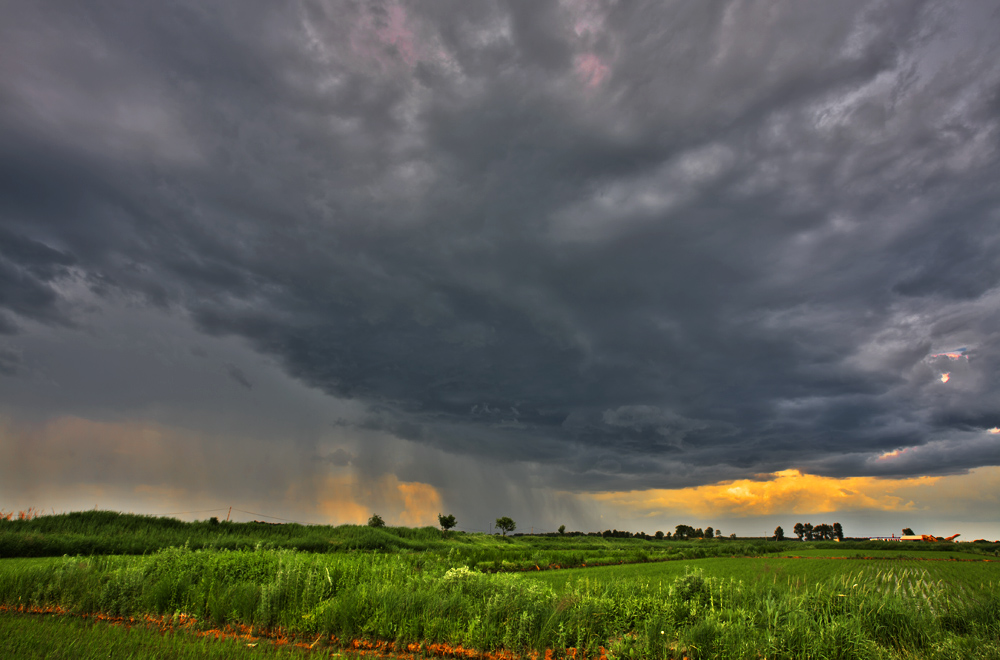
point(375, 649)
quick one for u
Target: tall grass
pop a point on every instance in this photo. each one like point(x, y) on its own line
point(377, 596)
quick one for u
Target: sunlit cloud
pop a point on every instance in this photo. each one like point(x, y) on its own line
point(350, 499)
point(591, 69)
point(788, 491)
point(71, 463)
point(994, 431)
point(955, 354)
point(945, 377)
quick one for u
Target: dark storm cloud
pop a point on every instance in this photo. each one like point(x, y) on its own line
point(636, 245)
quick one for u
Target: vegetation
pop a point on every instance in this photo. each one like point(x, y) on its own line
point(446, 522)
point(505, 525)
point(819, 532)
point(44, 636)
point(376, 521)
point(649, 596)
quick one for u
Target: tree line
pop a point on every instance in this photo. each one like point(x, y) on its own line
point(810, 532)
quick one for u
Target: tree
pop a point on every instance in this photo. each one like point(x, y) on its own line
point(562, 529)
point(505, 525)
point(699, 533)
point(718, 533)
point(908, 532)
point(733, 536)
point(822, 532)
point(659, 536)
point(447, 522)
point(839, 531)
point(808, 529)
point(376, 521)
point(799, 530)
point(779, 534)
point(709, 532)
point(683, 532)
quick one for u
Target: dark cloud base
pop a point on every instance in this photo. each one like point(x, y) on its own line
point(731, 250)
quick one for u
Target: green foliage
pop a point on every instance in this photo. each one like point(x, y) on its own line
point(505, 524)
point(30, 637)
point(376, 521)
point(717, 607)
point(447, 522)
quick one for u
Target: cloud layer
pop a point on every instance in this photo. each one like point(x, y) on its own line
point(610, 246)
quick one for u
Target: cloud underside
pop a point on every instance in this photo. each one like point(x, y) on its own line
point(623, 246)
point(76, 463)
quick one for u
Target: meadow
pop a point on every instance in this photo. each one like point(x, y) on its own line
point(424, 592)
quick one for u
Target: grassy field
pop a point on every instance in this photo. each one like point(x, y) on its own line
point(27, 636)
point(650, 599)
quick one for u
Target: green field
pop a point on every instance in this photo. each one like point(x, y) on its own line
point(650, 599)
point(49, 637)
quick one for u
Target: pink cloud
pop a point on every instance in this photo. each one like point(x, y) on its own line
point(370, 38)
point(591, 69)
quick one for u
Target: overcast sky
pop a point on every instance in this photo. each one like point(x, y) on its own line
point(589, 263)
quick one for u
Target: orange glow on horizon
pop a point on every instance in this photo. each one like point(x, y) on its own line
point(788, 491)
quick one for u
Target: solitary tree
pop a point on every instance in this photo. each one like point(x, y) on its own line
point(839, 531)
point(709, 533)
point(779, 534)
point(562, 529)
point(447, 522)
point(505, 525)
point(376, 521)
point(799, 530)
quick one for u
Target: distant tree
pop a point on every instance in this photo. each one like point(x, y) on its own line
point(908, 532)
point(670, 535)
point(733, 536)
point(505, 525)
point(684, 532)
point(718, 533)
point(447, 522)
point(779, 534)
point(659, 536)
point(699, 533)
point(376, 521)
point(213, 521)
point(799, 530)
point(562, 529)
point(808, 529)
point(822, 532)
point(839, 531)
point(709, 532)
